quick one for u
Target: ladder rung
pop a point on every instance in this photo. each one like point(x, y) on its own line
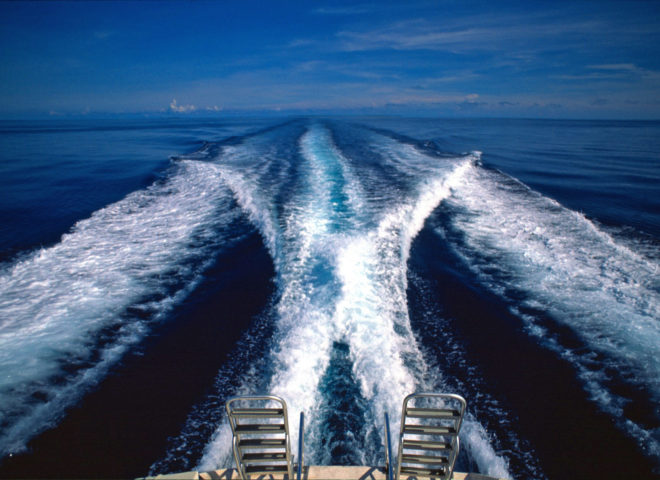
point(257, 412)
point(433, 413)
point(422, 445)
point(261, 428)
point(428, 430)
point(266, 469)
point(424, 459)
point(424, 472)
point(262, 457)
point(262, 442)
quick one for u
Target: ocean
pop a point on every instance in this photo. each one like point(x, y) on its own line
point(152, 268)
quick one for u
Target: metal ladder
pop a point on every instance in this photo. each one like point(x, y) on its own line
point(428, 439)
point(261, 441)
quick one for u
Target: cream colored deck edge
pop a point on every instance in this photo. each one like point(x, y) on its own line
point(309, 473)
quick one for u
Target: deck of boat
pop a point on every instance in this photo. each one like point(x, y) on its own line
point(311, 472)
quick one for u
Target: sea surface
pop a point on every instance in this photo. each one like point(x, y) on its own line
point(152, 268)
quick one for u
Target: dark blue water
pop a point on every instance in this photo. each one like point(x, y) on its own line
point(152, 268)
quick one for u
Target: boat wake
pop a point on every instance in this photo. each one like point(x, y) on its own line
point(559, 269)
point(338, 208)
point(342, 327)
point(71, 311)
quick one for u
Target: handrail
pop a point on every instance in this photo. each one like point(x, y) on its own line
point(301, 443)
point(240, 465)
point(388, 451)
point(454, 444)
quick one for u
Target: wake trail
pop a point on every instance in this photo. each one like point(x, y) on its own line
point(341, 276)
point(71, 311)
point(573, 271)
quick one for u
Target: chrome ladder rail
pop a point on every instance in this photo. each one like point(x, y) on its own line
point(261, 440)
point(301, 445)
point(388, 449)
point(428, 439)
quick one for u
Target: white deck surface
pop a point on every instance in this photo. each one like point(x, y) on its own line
point(309, 473)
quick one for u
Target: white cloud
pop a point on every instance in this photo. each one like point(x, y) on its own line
point(301, 42)
point(103, 34)
point(628, 68)
point(181, 108)
point(614, 71)
point(350, 10)
point(469, 34)
point(615, 66)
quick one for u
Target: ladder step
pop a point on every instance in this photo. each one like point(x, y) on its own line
point(433, 413)
point(423, 472)
point(265, 469)
point(428, 430)
point(424, 459)
point(264, 457)
point(257, 412)
point(422, 445)
point(262, 443)
point(261, 428)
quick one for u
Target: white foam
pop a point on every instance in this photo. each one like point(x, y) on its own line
point(243, 183)
point(373, 273)
point(395, 233)
point(605, 292)
point(476, 442)
point(343, 284)
point(304, 334)
point(144, 251)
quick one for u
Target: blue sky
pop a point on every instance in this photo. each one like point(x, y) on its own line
point(578, 59)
